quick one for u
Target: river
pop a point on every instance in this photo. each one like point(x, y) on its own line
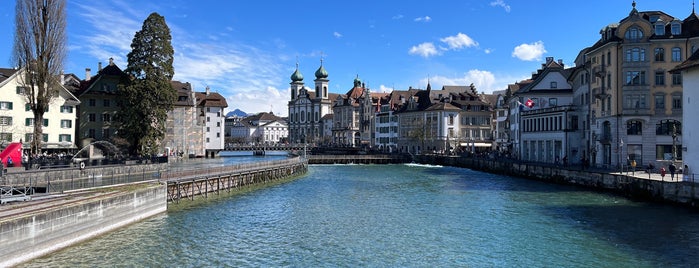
point(400, 216)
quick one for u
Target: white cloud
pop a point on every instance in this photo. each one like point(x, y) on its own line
point(488, 50)
point(423, 19)
point(244, 74)
point(385, 89)
point(255, 101)
point(459, 41)
point(337, 35)
point(529, 52)
point(501, 3)
point(485, 81)
point(425, 50)
point(397, 17)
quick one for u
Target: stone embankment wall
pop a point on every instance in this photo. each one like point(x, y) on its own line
point(27, 235)
point(680, 193)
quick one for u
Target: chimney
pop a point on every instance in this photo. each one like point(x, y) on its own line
point(63, 78)
point(208, 91)
point(549, 59)
point(99, 67)
point(87, 74)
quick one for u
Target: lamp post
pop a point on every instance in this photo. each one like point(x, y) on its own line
point(621, 149)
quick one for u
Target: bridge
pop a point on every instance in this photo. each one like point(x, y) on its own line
point(261, 149)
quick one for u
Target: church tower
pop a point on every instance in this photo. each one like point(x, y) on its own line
point(296, 83)
point(321, 82)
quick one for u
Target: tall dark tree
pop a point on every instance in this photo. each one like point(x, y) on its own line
point(39, 51)
point(147, 91)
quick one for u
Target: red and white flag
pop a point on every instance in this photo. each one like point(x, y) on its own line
point(529, 103)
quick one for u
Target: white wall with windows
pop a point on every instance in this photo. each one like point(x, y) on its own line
point(16, 119)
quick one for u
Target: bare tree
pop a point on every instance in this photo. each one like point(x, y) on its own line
point(39, 51)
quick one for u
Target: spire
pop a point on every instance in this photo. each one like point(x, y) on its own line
point(429, 87)
point(321, 73)
point(633, 8)
point(296, 76)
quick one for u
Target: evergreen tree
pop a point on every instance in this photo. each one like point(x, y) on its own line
point(147, 91)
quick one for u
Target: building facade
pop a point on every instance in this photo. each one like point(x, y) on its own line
point(307, 108)
point(636, 112)
point(100, 101)
point(211, 106)
point(184, 127)
point(547, 121)
point(17, 120)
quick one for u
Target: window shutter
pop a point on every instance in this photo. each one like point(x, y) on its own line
point(46, 122)
point(10, 106)
point(27, 121)
point(27, 107)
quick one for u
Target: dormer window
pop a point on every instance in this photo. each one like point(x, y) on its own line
point(676, 28)
point(634, 34)
point(554, 84)
point(659, 28)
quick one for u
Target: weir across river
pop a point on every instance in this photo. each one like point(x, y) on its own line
point(190, 183)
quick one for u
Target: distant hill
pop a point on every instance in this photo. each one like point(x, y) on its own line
point(237, 112)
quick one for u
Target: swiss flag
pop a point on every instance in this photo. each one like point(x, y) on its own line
point(529, 103)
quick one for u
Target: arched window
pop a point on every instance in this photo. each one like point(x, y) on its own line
point(634, 127)
point(633, 34)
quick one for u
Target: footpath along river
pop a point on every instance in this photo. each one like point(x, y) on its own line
point(401, 216)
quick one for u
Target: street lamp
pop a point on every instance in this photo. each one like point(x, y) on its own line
point(621, 149)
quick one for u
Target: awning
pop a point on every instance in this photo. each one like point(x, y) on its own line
point(477, 144)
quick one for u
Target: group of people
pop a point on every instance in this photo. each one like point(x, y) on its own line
point(672, 168)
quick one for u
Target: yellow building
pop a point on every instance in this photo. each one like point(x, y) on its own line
point(636, 104)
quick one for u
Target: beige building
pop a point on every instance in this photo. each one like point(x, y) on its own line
point(184, 135)
point(17, 121)
point(636, 109)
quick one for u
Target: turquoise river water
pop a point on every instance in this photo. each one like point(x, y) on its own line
point(400, 216)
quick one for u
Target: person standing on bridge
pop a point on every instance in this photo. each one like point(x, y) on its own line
point(672, 169)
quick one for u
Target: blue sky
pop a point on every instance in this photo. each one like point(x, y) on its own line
point(247, 50)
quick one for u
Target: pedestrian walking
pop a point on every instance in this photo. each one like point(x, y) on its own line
point(672, 169)
point(662, 173)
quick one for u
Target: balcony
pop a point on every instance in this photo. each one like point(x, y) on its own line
point(599, 71)
point(600, 93)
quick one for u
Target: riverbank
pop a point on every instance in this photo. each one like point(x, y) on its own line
point(635, 185)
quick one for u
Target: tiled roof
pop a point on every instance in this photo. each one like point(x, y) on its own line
point(691, 62)
point(184, 93)
point(213, 99)
point(6, 73)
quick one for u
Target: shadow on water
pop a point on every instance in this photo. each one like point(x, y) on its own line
point(662, 233)
point(666, 235)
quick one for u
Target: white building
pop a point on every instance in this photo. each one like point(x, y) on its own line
point(545, 125)
point(690, 146)
point(17, 121)
point(212, 106)
point(307, 107)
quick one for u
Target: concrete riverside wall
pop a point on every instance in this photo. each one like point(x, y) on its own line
point(680, 193)
point(25, 237)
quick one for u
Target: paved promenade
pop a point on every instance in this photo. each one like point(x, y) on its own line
point(642, 174)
